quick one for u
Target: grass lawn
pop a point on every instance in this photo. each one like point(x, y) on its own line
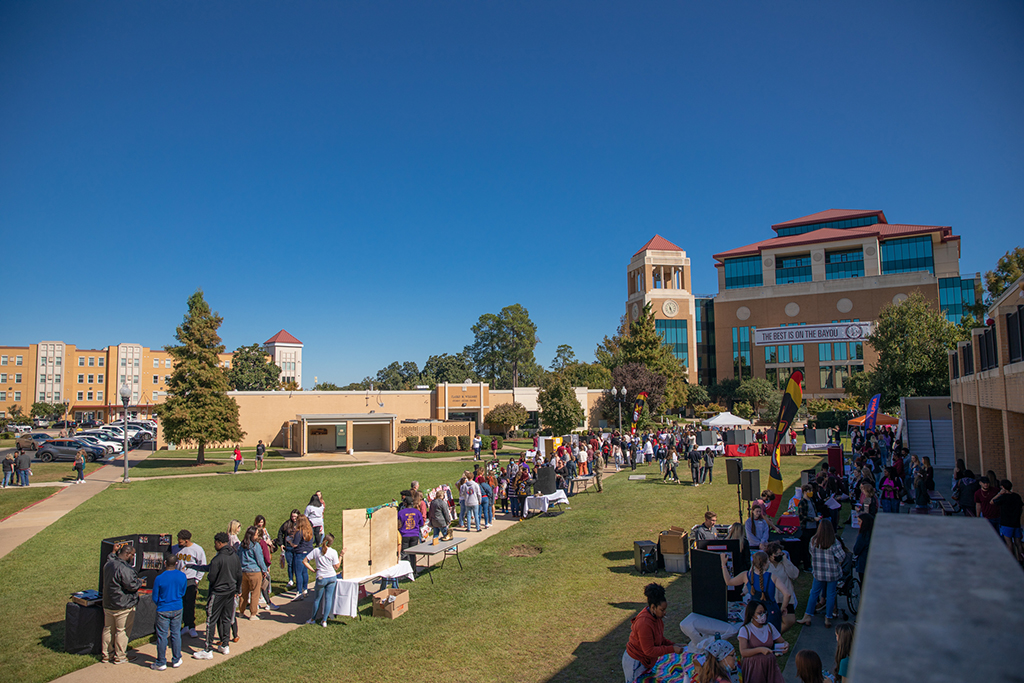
point(15, 498)
point(167, 464)
point(562, 616)
point(59, 471)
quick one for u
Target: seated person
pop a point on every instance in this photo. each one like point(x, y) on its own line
point(757, 528)
point(647, 642)
point(705, 531)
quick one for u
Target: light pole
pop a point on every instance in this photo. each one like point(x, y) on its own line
point(126, 393)
point(616, 395)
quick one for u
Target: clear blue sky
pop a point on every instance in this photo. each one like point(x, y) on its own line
point(373, 177)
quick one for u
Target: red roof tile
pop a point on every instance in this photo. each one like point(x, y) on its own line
point(831, 215)
point(881, 230)
point(282, 337)
point(659, 243)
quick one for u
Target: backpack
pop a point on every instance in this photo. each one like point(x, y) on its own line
point(765, 592)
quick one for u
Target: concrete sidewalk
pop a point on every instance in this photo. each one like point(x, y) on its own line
point(25, 524)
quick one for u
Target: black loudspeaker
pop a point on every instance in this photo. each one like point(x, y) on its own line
point(771, 437)
point(815, 436)
point(739, 437)
point(732, 471)
point(545, 484)
point(706, 439)
point(149, 554)
point(645, 556)
point(708, 590)
point(750, 484)
point(807, 477)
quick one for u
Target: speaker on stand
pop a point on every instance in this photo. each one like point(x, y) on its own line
point(732, 477)
point(750, 485)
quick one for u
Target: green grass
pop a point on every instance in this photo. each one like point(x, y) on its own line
point(59, 471)
point(163, 465)
point(15, 498)
point(569, 608)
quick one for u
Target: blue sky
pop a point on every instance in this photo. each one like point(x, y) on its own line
point(373, 177)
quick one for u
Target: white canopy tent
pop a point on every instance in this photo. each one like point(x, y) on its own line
point(726, 419)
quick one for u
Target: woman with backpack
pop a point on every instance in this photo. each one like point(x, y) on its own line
point(761, 585)
point(827, 557)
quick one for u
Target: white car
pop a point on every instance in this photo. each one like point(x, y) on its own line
point(19, 429)
point(100, 439)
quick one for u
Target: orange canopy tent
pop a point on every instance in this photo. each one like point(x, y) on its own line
point(883, 419)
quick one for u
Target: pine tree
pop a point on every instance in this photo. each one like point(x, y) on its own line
point(198, 409)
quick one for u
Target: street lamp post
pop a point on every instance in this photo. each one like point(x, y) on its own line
point(620, 398)
point(126, 393)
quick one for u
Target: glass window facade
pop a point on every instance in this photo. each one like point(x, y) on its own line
point(907, 255)
point(956, 295)
point(790, 269)
point(675, 335)
point(837, 225)
point(741, 351)
point(704, 312)
point(844, 264)
point(744, 271)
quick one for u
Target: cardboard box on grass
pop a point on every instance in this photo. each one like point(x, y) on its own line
point(390, 610)
point(673, 542)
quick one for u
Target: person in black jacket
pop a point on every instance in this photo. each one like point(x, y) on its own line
point(225, 575)
point(121, 586)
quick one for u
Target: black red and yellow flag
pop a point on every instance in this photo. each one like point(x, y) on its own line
point(787, 411)
point(638, 409)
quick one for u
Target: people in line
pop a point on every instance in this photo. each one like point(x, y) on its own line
point(324, 561)
point(301, 544)
point(759, 641)
point(827, 557)
point(121, 584)
point(315, 514)
point(224, 574)
point(168, 596)
point(844, 644)
point(188, 555)
point(760, 584)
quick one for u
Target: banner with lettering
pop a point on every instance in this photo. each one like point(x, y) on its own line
point(638, 409)
point(787, 411)
point(872, 414)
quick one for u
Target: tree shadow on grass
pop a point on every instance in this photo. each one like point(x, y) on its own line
point(160, 463)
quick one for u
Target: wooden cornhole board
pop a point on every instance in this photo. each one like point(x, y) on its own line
point(371, 544)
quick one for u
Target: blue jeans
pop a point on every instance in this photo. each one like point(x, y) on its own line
point(830, 596)
point(438, 533)
point(8, 478)
point(514, 500)
point(487, 511)
point(23, 475)
point(237, 463)
point(473, 516)
point(324, 595)
point(889, 505)
point(301, 573)
point(289, 561)
point(168, 623)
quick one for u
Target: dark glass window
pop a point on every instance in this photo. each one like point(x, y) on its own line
point(675, 335)
point(837, 225)
point(790, 269)
point(744, 271)
point(907, 255)
point(844, 264)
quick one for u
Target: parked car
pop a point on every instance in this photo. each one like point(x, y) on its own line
point(64, 424)
point(41, 423)
point(66, 449)
point(32, 441)
point(90, 424)
point(107, 446)
point(19, 429)
point(103, 439)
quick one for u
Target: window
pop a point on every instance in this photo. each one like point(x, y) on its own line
point(3, 378)
point(99, 395)
point(824, 352)
point(135, 379)
point(81, 395)
point(124, 379)
point(907, 255)
point(156, 379)
point(17, 395)
point(789, 269)
point(42, 360)
point(956, 295)
point(17, 378)
point(167, 378)
point(798, 353)
point(741, 354)
point(825, 377)
point(156, 362)
point(844, 264)
point(18, 360)
point(81, 379)
point(987, 349)
point(744, 271)
point(57, 360)
point(673, 332)
point(771, 354)
point(3, 360)
point(136, 362)
point(135, 397)
point(92, 359)
point(124, 362)
point(3, 395)
point(839, 351)
point(56, 378)
point(1015, 333)
point(835, 225)
point(81, 361)
point(99, 361)
point(99, 379)
point(88, 396)
point(167, 362)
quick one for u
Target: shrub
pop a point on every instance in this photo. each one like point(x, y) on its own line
point(413, 442)
point(465, 442)
point(451, 443)
point(427, 443)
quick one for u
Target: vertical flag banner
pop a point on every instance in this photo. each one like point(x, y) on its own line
point(872, 414)
point(638, 409)
point(787, 411)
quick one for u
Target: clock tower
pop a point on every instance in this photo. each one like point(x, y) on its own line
point(659, 274)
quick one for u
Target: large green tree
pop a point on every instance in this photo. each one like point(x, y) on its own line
point(644, 345)
point(911, 339)
point(47, 411)
point(453, 368)
point(756, 391)
point(252, 370)
point(559, 408)
point(198, 409)
point(564, 357)
point(507, 416)
point(1007, 270)
point(503, 345)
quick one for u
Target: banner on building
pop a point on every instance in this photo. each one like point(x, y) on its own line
point(811, 334)
point(787, 411)
point(638, 409)
point(872, 415)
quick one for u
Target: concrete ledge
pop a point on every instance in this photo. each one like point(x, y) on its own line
point(943, 601)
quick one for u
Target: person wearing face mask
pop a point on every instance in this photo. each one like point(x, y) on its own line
point(757, 640)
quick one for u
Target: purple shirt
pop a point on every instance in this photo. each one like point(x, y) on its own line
point(409, 522)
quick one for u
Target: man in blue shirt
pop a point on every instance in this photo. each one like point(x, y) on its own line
point(168, 591)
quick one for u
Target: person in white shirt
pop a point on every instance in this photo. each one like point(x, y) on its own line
point(189, 553)
point(327, 563)
point(315, 515)
point(469, 501)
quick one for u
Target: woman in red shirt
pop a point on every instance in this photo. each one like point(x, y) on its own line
point(647, 640)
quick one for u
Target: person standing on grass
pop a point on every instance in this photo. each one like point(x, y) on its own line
point(477, 443)
point(260, 451)
point(225, 576)
point(168, 594)
point(121, 586)
point(24, 465)
point(250, 556)
point(238, 459)
point(80, 466)
point(286, 531)
point(315, 515)
point(8, 469)
point(469, 499)
point(325, 562)
point(301, 544)
point(188, 553)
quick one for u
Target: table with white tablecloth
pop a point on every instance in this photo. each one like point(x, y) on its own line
point(346, 592)
point(543, 502)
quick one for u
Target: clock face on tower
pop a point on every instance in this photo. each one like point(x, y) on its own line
point(636, 312)
point(670, 308)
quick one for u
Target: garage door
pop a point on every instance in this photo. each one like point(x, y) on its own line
point(368, 437)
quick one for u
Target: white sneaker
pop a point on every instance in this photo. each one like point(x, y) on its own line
point(291, 583)
point(224, 650)
point(324, 624)
point(158, 667)
point(193, 633)
point(254, 618)
point(175, 664)
point(203, 654)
